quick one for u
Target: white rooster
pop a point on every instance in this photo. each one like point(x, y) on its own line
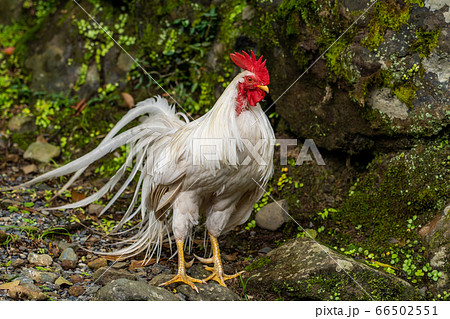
point(188, 169)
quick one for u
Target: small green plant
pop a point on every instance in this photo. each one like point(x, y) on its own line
point(13, 209)
point(44, 268)
point(326, 211)
point(251, 225)
point(263, 201)
point(410, 221)
point(283, 180)
point(105, 225)
point(244, 286)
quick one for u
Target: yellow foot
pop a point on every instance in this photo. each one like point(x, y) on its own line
point(184, 279)
point(219, 276)
point(181, 273)
point(217, 270)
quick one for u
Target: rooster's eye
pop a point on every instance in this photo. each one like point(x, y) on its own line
point(249, 80)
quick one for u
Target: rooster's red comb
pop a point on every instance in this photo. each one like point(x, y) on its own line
point(249, 63)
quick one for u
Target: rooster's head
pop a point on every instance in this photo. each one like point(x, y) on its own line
point(255, 84)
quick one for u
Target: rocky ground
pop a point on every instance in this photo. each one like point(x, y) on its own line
point(44, 254)
point(44, 257)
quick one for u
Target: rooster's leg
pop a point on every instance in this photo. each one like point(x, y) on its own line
point(181, 275)
point(217, 270)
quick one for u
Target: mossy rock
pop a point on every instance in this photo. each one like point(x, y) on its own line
point(398, 49)
point(397, 187)
point(302, 269)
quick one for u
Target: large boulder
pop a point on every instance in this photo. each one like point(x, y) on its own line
point(437, 236)
point(302, 269)
point(386, 76)
point(129, 290)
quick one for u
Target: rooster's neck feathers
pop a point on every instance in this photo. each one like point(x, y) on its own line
point(226, 130)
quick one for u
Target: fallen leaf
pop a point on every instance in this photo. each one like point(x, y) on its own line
point(76, 197)
point(114, 258)
point(41, 139)
point(232, 257)
point(12, 158)
point(141, 263)
point(8, 50)
point(29, 169)
point(9, 285)
point(80, 107)
point(128, 99)
point(61, 281)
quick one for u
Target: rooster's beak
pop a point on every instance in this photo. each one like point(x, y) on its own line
point(264, 88)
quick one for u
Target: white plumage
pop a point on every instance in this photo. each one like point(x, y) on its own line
point(178, 184)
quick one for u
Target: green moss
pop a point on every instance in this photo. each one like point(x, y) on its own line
point(426, 42)
point(294, 11)
point(258, 264)
point(395, 189)
point(386, 14)
point(405, 93)
point(339, 62)
point(23, 140)
point(381, 78)
point(420, 3)
point(232, 14)
point(339, 286)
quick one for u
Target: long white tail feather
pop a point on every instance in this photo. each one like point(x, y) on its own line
point(149, 233)
point(141, 108)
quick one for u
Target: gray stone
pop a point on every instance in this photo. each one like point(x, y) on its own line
point(68, 254)
point(41, 276)
point(64, 245)
point(92, 289)
point(272, 216)
point(303, 269)
point(42, 152)
point(104, 275)
point(21, 124)
point(26, 280)
point(161, 278)
point(128, 290)
point(388, 104)
point(211, 291)
point(120, 265)
point(30, 286)
point(265, 250)
point(439, 65)
point(438, 5)
point(43, 260)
